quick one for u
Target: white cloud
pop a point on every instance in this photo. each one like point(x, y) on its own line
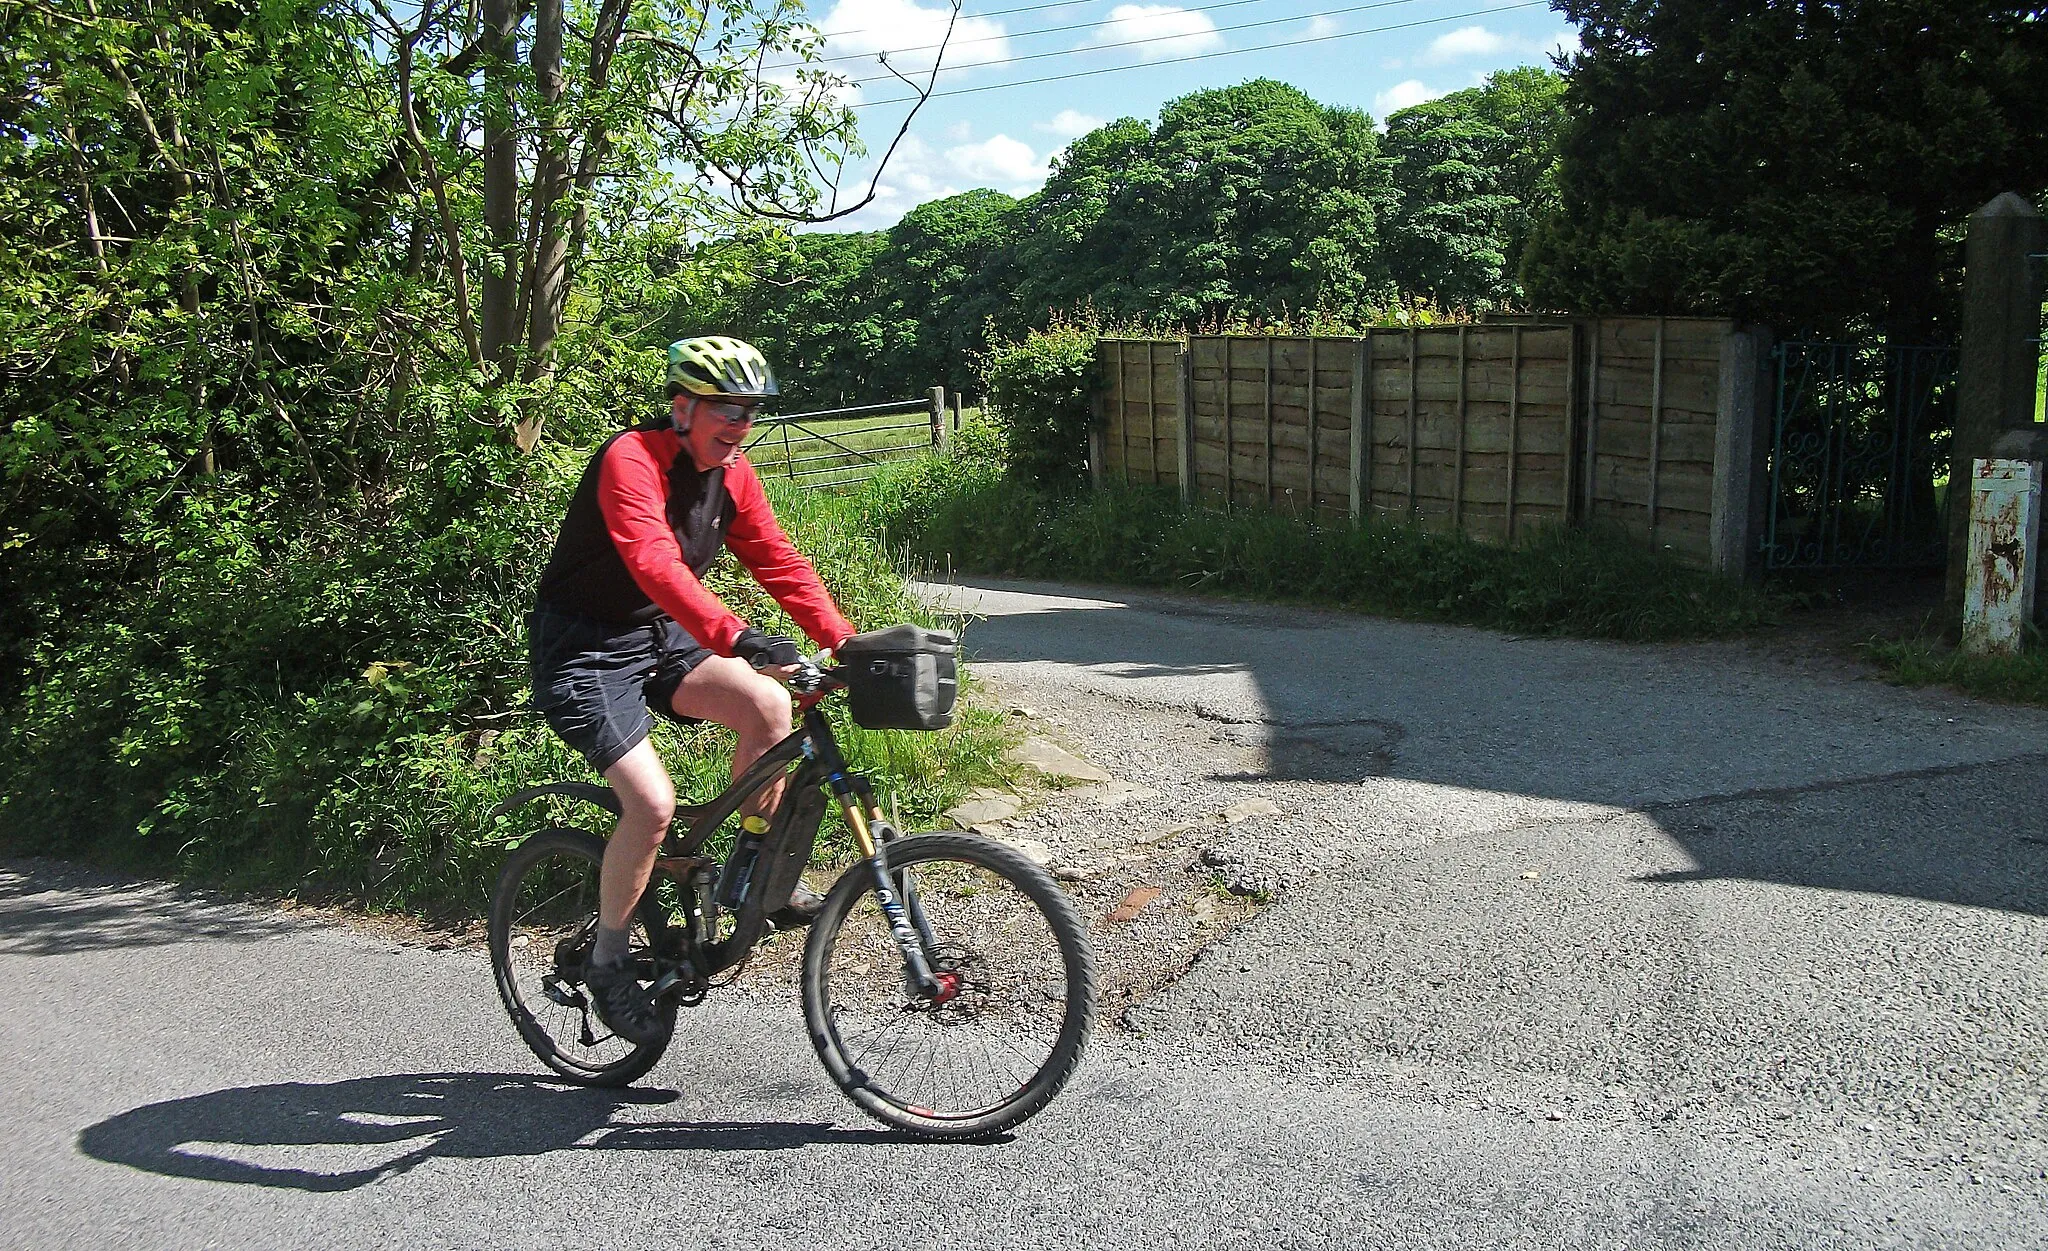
point(1176, 31)
point(1466, 41)
point(1322, 26)
point(907, 33)
point(1402, 95)
point(1069, 124)
point(1477, 42)
point(998, 161)
point(919, 173)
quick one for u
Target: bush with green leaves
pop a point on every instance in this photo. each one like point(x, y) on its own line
point(334, 708)
point(1041, 390)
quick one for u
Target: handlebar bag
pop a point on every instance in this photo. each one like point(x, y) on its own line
point(901, 678)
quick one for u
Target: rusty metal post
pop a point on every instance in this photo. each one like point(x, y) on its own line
point(2004, 555)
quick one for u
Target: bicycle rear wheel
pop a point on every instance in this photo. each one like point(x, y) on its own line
point(1019, 973)
point(543, 923)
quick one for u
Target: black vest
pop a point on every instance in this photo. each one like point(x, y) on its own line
point(585, 575)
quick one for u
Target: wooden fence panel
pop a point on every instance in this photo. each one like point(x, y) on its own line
point(1141, 408)
point(1652, 420)
point(1494, 429)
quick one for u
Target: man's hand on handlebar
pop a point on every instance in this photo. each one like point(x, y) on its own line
point(773, 654)
point(777, 656)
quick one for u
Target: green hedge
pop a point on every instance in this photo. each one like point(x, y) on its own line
point(1042, 391)
point(336, 713)
point(1566, 582)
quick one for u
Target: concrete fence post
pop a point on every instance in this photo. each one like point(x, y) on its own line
point(1742, 422)
point(2000, 355)
point(1186, 402)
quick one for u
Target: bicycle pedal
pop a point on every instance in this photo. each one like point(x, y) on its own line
point(563, 995)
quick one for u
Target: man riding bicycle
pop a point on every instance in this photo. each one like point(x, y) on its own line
point(624, 630)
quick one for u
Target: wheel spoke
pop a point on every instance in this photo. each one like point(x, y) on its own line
point(544, 912)
point(1008, 1021)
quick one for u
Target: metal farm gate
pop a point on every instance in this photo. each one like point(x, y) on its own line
point(1859, 448)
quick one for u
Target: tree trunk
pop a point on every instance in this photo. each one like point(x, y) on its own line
point(501, 188)
point(547, 281)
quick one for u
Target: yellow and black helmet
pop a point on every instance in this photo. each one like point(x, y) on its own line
point(713, 365)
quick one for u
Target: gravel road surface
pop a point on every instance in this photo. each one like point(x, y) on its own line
point(1569, 945)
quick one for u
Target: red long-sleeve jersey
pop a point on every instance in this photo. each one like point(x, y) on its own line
point(645, 524)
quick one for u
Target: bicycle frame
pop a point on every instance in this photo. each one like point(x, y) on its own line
point(781, 857)
point(814, 749)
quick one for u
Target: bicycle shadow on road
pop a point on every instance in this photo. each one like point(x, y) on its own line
point(328, 1137)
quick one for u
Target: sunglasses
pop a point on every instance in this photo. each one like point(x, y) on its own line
point(734, 416)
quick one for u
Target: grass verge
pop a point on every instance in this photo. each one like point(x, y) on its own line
point(1581, 582)
point(2021, 679)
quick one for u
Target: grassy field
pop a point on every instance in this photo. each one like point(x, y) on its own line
point(846, 453)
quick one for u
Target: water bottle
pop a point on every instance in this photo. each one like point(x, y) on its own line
point(732, 888)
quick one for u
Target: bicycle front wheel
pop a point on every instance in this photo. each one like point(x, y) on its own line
point(1018, 989)
point(543, 924)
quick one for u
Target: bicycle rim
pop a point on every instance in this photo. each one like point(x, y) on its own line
point(543, 921)
point(1011, 1028)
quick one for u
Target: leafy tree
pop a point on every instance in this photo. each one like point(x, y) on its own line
point(287, 288)
point(1526, 106)
point(1243, 201)
point(1794, 163)
point(1471, 169)
point(1448, 241)
point(947, 272)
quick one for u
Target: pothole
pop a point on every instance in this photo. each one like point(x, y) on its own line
point(1347, 749)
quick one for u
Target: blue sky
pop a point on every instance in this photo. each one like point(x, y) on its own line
point(1006, 137)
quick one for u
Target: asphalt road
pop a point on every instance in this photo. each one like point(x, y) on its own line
point(1576, 945)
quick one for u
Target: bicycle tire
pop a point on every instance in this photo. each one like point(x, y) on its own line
point(872, 986)
point(580, 855)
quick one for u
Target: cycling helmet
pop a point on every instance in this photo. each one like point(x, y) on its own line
point(713, 365)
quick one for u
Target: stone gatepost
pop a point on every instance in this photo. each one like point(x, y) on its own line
point(2002, 293)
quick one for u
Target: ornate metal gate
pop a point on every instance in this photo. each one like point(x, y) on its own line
point(1858, 451)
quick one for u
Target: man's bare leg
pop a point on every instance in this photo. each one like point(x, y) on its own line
point(647, 802)
point(752, 704)
point(721, 689)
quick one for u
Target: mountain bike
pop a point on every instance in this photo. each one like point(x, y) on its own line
point(948, 983)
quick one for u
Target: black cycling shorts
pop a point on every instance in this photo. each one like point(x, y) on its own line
point(600, 683)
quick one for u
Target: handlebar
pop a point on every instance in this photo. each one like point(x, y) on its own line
point(811, 677)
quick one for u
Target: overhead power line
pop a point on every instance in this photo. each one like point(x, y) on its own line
point(1015, 34)
point(1134, 43)
point(1028, 8)
point(1204, 56)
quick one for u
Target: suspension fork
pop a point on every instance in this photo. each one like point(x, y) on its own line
point(906, 889)
point(857, 805)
